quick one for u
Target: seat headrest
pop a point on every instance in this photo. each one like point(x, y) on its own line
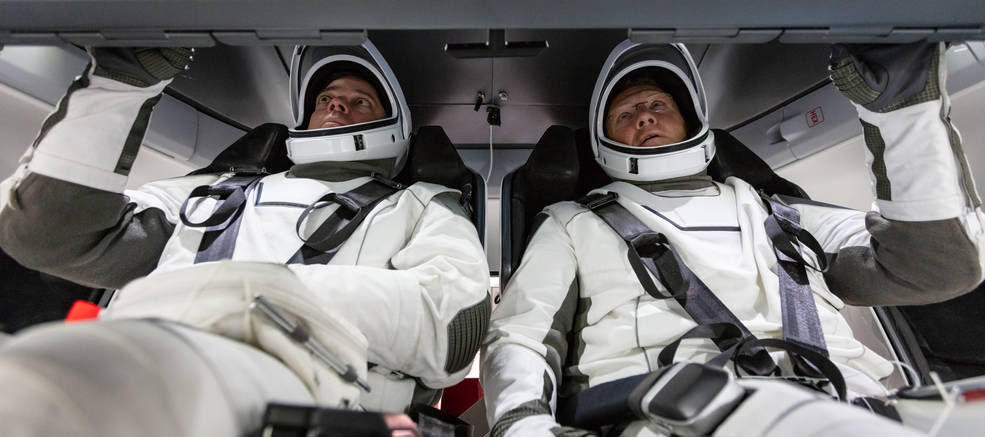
point(433, 158)
point(591, 174)
point(261, 150)
point(551, 172)
point(732, 158)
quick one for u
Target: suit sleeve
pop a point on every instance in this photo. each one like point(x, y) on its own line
point(524, 353)
point(65, 212)
point(923, 242)
point(426, 316)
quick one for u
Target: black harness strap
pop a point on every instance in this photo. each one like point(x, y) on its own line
point(354, 207)
point(801, 324)
point(222, 226)
point(650, 251)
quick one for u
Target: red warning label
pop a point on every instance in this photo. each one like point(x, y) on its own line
point(814, 117)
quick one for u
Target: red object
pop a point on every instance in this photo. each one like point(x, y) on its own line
point(973, 395)
point(82, 310)
point(459, 397)
point(814, 117)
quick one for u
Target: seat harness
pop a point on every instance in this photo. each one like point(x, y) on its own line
point(354, 207)
point(222, 226)
point(650, 252)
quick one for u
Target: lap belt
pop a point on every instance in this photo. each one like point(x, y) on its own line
point(222, 226)
point(354, 207)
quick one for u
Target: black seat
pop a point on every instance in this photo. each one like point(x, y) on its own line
point(431, 158)
point(562, 167)
point(260, 151)
point(551, 174)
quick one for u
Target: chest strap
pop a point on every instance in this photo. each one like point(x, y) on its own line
point(650, 252)
point(222, 226)
point(354, 207)
point(801, 323)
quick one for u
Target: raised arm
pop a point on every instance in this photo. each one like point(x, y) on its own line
point(64, 211)
point(923, 243)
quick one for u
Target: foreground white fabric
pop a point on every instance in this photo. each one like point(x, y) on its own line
point(137, 377)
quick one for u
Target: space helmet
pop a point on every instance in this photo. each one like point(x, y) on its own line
point(312, 68)
point(670, 66)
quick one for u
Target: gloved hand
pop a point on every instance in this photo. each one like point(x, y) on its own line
point(140, 67)
point(886, 77)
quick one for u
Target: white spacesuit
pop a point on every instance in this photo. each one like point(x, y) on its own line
point(576, 315)
point(401, 301)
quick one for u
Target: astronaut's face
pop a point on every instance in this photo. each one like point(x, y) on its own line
point(645, 116)
point(344, 101)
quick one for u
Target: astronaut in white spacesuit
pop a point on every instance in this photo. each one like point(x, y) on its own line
point(609, 282)
point(389, 281)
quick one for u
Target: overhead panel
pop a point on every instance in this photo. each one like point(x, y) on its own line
point(823, 117)
point(41, 72)
point(531, 92)
point(764, 138)
point(965, 66)
point(562, 75)
point(176, 128)
point(743, 81)
point(246, 86)
point(426, 73)
point(803, 21)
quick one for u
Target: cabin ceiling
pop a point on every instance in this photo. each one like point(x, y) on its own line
point(248, 84)
point(753, 55)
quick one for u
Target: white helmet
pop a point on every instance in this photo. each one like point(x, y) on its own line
point(311, 67)
point(672, 67)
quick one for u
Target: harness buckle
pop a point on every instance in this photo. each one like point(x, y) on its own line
point(388, 182)
point(597, 200)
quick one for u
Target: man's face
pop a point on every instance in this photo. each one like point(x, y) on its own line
point(646, 116)
point(344, 101)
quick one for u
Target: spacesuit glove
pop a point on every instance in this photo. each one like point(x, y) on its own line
point(886, 77)
point(567, 431)
point(140, 67)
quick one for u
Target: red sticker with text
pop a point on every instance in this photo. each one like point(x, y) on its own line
point(814, 117)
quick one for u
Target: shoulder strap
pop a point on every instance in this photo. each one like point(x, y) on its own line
point(801, 324)
point(354, 207)
point(651, 252)
point(222, 226)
